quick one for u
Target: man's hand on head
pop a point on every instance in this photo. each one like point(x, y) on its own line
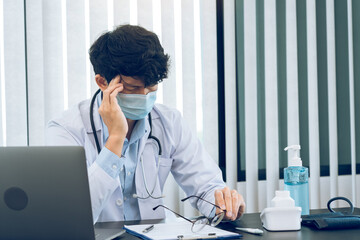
point(231, 201)
point(113, 117)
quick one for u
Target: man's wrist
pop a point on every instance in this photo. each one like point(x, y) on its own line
point(115, 144)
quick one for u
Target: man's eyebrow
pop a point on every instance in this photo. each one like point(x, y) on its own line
point(132, 85)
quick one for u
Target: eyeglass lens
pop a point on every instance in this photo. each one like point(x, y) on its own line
point(199, 224)
point(217, 219)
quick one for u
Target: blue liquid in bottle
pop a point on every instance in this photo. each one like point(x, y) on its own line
point(296, 179)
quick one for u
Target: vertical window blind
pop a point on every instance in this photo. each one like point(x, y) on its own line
point(298, 83)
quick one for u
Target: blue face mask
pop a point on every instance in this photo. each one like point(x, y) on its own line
point(136, 106)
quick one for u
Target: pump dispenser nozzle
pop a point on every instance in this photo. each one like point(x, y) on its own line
point(296, 160)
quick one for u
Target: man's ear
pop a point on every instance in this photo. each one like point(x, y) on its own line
point(101, 82)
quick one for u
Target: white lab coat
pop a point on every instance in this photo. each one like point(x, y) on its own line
point(182, 155)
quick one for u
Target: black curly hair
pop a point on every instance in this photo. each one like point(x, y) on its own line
point(131, 51)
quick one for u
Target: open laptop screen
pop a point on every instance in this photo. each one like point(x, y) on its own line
point(44, 193)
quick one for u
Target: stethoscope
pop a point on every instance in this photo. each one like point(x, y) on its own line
point(150, 193)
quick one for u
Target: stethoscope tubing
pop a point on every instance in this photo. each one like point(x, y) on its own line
point(92, 121)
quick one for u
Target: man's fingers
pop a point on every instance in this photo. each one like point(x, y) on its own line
point(109, 95)
point(235, 204)
point(114, 93)
point(228, 202)
point(107, 92)
point(219, 200)
point(109, 103)
point(115, 80)
point(114, 83)
point(231, 201)
point(242, 206)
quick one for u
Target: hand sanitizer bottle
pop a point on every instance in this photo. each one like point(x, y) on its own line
point(296, 179)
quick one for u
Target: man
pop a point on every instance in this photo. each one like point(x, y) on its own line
point(131, 144)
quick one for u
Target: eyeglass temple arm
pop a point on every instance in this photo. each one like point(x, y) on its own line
point(172, 212)
point(184, 199)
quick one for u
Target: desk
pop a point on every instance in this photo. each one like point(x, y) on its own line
point(253, 220)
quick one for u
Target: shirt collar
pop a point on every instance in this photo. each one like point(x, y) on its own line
point(138, 131)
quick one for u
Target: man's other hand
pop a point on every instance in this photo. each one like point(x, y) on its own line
point(231, 201)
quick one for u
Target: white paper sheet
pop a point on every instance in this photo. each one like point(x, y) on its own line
point(171, 231)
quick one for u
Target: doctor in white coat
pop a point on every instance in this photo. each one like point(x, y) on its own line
point(132, 144)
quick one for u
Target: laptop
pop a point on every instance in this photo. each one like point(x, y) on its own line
point(44, 194)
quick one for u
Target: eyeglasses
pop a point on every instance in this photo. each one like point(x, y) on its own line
point(217, 218)
point(199, 223)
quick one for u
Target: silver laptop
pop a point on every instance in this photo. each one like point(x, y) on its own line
point(44, 194)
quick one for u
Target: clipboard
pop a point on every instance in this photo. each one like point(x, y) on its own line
point(179, 230)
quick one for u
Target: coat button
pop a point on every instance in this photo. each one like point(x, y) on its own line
point(119, 202)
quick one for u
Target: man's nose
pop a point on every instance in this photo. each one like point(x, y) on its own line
point(144, 91)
